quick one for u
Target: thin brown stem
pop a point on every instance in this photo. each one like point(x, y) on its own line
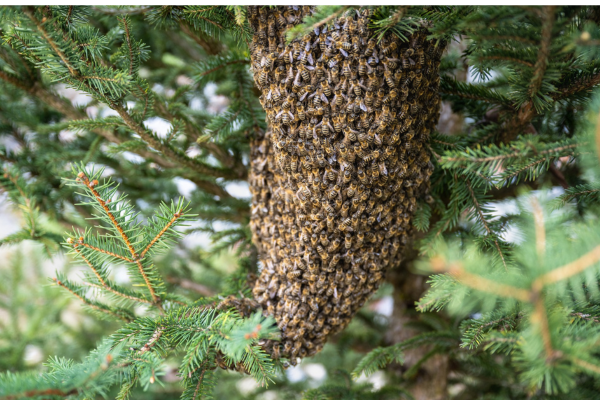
point(568, 270)
point(88, 303)
point(159, 235)
point(124, 236)
point(540, 317)
point(478, 282)
point(485, 223)
point(540, 230)
point(105, 252)
point(176, 155)
point(544, 51)
point(51, 42)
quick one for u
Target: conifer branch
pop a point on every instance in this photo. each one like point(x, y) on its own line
point(477, 282)
point(568, 270)
point(90, 185)
point(29, 12)
point(104, 252)
point(544, 50)
point(159, 235)
point(485, 223)
point(90, 304)
point(176, 155)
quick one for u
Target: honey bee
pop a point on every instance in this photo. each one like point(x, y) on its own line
point(370, 47)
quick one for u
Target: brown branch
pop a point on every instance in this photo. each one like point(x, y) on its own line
point(438, 264)
point(576, 87)
point(41, 393)
point(128, 39)
point(190, 285)
point(517, 60)
point(210, 46)
point(540, 317)
point(162, 232)
point(544, 52)
point(210, 71)
point(51, 42)
point(88, 303)
point(132, 298)
point(540, 230)
point(484, 222)
point(123, 235)
point(176, 155)
point(568, 270)
point(586, 365)
point(105, 252)
point(220, 154)
point(513, 154)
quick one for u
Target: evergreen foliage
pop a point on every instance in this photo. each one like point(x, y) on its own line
point(512, 306)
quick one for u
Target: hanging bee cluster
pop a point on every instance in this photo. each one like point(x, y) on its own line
point(336, 179)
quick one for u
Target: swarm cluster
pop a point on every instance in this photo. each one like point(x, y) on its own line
point(336, 179)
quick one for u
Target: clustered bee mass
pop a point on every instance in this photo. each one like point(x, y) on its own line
point(336, 178)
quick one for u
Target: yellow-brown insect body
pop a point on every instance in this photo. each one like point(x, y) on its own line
point(335, 179)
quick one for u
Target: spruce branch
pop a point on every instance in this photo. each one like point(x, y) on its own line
point(93, 305)
point(544, 50)
point(484, 222)
point(82, 177)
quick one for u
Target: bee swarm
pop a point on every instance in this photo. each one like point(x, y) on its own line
point(336, 179)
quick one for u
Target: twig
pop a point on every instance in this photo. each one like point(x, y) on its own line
point(124, 236)
point(162, 232)
point(88, 303)
point(544, 51)
point(568, 270)
point(478, 282)
point(484, 222)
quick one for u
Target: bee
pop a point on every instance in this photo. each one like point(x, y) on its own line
point(262, 30)
point(389, 49)
point(414, 107)
point(304, 91)
point(418, 79)
point(300, 113)
point(335, 35)
point(319, 70)
point(407, 61)
point(262, 78)
point(389, 79)
point(272, 44)
point(421, 57)
point(370, 47)
point(280, 19)
point(326, 88)
point(404, 93)
point(363, 67)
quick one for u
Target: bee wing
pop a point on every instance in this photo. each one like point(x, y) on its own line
point(344, 52)
point(383, 169)
point(303, 96)
point(269, 95)
point(325, 29)
point(324, 98)
point(363, 106)
point(308, 67)
point(307, 47)
point(291, 115)
point(310, 59)
point(316, 31)
point(277, 116)
point(263, 61)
